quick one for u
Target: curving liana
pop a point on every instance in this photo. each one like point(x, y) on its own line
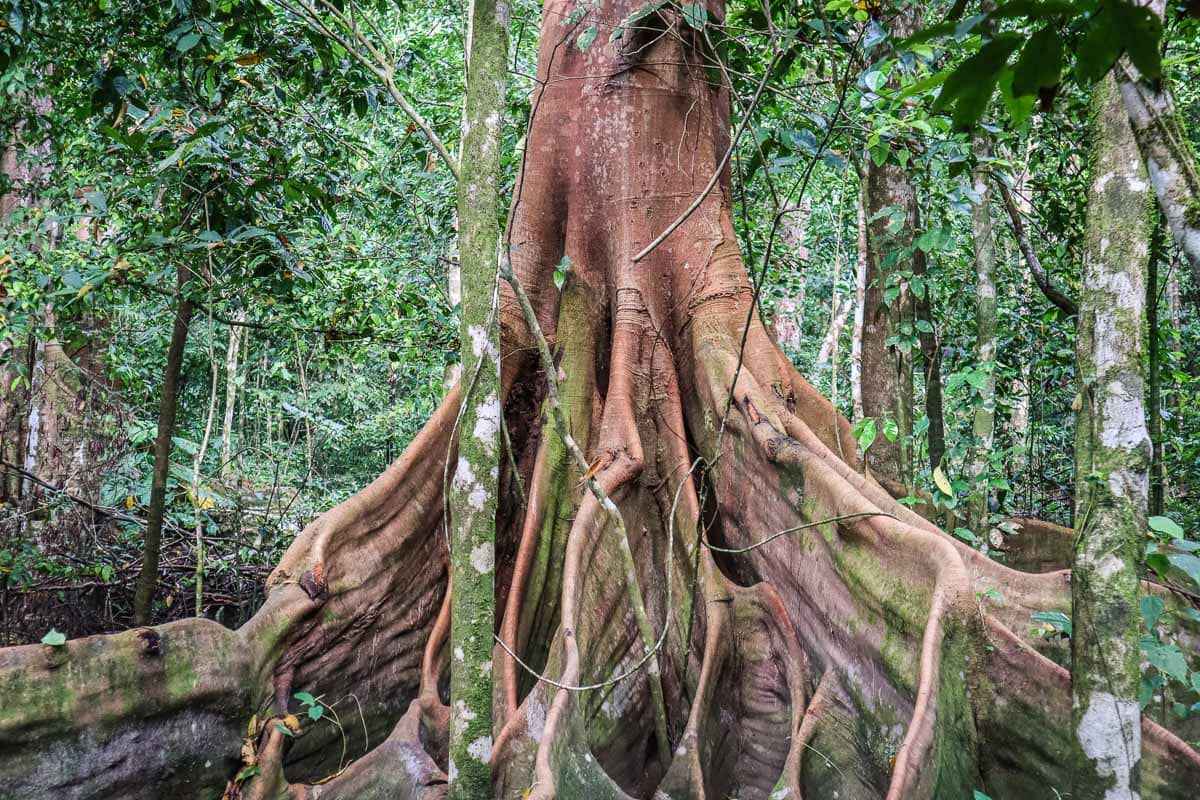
point(866, 656)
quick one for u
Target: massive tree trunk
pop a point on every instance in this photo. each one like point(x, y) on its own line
point(860, 654)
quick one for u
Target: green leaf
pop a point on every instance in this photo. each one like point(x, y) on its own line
point(1167, 659)
point(305, 698)
point(970, 87)
point(1152, 608)
point(187, 42)
point(981, 796)
point(1040, 64)
point(1057, 620)
point(1018, 108)
point(1140, 31)
point(54, 638)
point(966, 534)
point(695, 15)
point(561, 271)
point(890, 429)
point(1166, 525)
point(315, 712)
point(865, 432)
point(1032, 9)
point(1188, 564)
point(1099, 49)
point(284, 730)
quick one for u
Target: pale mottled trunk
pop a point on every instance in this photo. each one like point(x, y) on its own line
point(1112, 452)
point(985, 341)
point(789, 312)
point(474, 489)
point(1163, 142)
point(198, 497)
point(1154, 390)
point(231, 392)
point(860, 291)
point(840, 308)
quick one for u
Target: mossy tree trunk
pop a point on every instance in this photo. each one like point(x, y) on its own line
point(1112, 453)
point(474, 487)
point(984, 423)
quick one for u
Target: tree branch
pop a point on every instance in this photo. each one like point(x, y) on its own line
point(1040, 277)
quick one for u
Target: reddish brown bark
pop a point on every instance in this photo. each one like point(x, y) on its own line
point(861, 655)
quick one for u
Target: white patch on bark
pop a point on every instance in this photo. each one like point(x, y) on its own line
point(1123, 425)
point(462, 717)
point(483, 558)
point(458, 654)
point(481, 749)
point(481, 343)
point(535, 719)
point(1110, 734)
point(487, 423)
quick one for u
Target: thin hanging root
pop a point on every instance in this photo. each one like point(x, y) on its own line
point(604, 501)
point(506, 665)
point(919, 738)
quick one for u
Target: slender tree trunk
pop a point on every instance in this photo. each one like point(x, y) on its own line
point(231, 393)
point(887, 367)
point(167, 406)
point(199, 502)
point(931, 356)
point(985, 340)
point(789, 312)
point(860, 292)
point(474, 489)
point(1112, 453)
point(1154, 390)
point(889, 313)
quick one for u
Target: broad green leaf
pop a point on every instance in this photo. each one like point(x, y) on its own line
point(54, 638)
point(1166, 525)
point(1167, 659)
point(1188, 564)
point(1057, 620)
point(865, 432)
point(695, 15)
point(1099, 49)
point(187, 42)
point(966, 534)
point(890, 429)
point(1152, 608)
point(1140, 31)
point(315, 712)
point(968, 90)
point(1040, 63)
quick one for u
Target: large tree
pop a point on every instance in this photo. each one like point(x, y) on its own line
point(814, 635)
